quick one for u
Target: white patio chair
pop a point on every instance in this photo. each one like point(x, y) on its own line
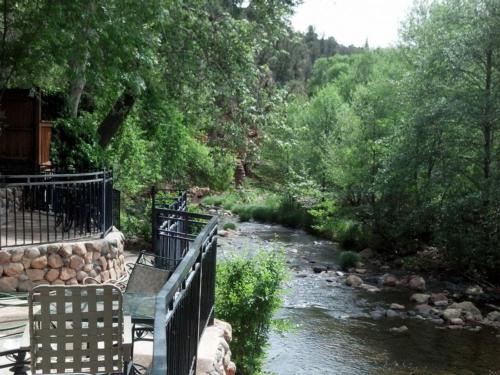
point(78, 329)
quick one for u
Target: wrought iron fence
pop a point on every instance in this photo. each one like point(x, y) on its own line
point(185, 305)
point(46, 208)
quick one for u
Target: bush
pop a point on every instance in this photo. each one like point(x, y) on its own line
point(231, 226)
point(248, 292)
point(348, 259)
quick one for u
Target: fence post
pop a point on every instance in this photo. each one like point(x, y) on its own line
point(103, 195)
point(153, 219)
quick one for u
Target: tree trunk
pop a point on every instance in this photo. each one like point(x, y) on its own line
point(115, 117)
point(77, 86)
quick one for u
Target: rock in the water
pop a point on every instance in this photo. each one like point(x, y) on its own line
point(319, 269)
point(369, 288)
point(401, 329)
point(423, 309)
point(416, 283)
point(389, 280)
point(468, 310)
point(377, 314)
point(339, 273)
point(439, 299)
point(391, 313)
point(474, 290)
point(457, 321)
point(301, 275)
point(353, 280)
point(493, 316)
point(419, 298)
point(396, 306)
point(451, 313)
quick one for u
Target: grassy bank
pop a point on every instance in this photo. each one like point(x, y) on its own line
point(266, 207)
point(263, 207)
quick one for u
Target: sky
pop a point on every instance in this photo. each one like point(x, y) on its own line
point(354, 21)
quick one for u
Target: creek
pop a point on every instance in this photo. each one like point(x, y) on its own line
point(332, 332)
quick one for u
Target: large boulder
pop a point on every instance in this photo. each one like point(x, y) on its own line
point(32, 253)
point(76, 262)
point(4, 257)
point(39, 262)
point(17, 255)
point(353, 280)
point(13, 269)
point(416, 283)
point(67, 274)
point(66, 250)
point(52, 275)
point(8, 284)
point(35, 274)
point(79, 249)
point(55, 261)
point(469, 311)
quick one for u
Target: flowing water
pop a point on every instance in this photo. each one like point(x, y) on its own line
point(331, 332)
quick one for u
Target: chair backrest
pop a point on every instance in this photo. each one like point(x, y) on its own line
point(76, 329)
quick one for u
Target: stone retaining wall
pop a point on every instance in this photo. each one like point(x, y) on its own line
point(66, 263)
point(214, 355)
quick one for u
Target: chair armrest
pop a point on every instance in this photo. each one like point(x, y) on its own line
point(127, 338)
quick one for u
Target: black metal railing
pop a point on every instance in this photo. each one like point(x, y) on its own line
point(185, 305)
point(46, 208)
point(161, 202)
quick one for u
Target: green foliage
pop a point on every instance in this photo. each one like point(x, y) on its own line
point(74, 148)
point(248, 292)
point(229, 225)
point(348, 259)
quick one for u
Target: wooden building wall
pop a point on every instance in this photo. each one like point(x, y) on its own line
point(25, 140)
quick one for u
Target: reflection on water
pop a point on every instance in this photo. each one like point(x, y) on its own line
point(331, 334)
